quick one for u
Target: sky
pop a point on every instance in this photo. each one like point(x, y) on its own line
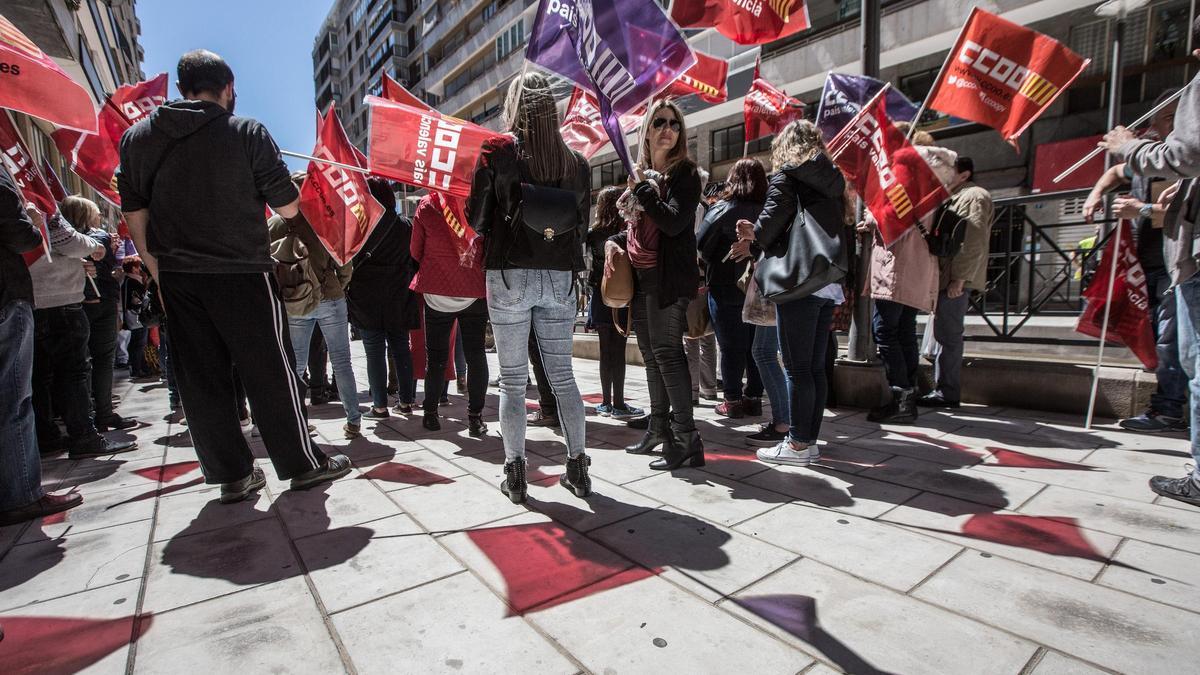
point(268, 43)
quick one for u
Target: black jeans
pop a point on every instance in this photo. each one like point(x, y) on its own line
point(547, 403)
point(895, 328)
point(217, 321)
point(612, 364)
point(137, 352)
point(735, 337)
point(102, 347)
point(660, 339)
point(61, 378)
point(472, 323)
point(804, 341)
point(318, 362)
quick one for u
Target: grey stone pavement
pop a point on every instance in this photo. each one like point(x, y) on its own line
point(982, 541)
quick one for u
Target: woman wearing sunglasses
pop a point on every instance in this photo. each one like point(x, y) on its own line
point(660, 241)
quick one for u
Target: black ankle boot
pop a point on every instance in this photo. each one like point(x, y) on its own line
point(576, 478)
point(514, 485)
point(685, 447)
point(902, 409)
point(888, 409)
point(430, 421)
point(657, 433)
point(475, 426)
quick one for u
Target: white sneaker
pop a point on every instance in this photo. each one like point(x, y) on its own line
point(787, 452)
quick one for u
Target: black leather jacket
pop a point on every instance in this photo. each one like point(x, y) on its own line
point(815, 182)
point(716, 236)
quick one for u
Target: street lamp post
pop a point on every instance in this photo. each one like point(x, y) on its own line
point(861, 348)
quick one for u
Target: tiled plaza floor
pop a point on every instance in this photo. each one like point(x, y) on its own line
point(982, 541)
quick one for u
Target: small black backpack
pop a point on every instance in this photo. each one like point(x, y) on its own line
point(946, 233)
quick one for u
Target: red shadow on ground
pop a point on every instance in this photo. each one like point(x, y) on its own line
point(718, 455)
point(53, 644)
point(1053, 535)
point(1021, 460)
point(532, 406)
point(158, 492)
point(395, 472)
point(955, 453)
point(168, 472)
point(543, 565)
point(593, 398)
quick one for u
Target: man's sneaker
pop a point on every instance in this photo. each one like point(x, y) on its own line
point(352, 431)
point(403, 409)
point(1151, 422)
point(626, 411)
point(767, 436)
point(1182, 489)
point(49, 504)
point(333, 468)
point(935, 400)
point(115, 422)
point(377, 413)
point(604, 410)
point(242, 489)
point(539, 418)
point(785, 452)
point(99, 446)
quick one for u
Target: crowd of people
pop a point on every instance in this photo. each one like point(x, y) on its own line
point(246, 314)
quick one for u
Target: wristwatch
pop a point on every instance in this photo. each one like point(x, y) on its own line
point(1146, 211)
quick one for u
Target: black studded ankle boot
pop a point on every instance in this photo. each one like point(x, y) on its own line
point(657, 433)
point(576, 478)
point(475, 426)
point(685, 447)
point(514, 485)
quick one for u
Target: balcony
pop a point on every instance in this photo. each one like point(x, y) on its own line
point(436, 75)
point(484, 85)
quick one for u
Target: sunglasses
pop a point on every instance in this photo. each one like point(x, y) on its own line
point(660, 122)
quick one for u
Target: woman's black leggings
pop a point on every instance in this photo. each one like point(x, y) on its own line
point(612, 364)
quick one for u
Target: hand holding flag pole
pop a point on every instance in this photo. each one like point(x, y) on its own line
point(1136, 123)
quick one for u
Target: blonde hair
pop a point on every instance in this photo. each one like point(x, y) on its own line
point(799, 142)
point(531, 115)
point(678, 153)
point(79, 212)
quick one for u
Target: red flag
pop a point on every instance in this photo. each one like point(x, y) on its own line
point(335, 201)
point(52, 181)
point(394, 91)
point(582, 129)
point(424, 148)
point(747, 22)
point(32, 83)
point(33, 188)
point(768, 110)
point(706, 78)
point(894, 180)
point(1002, 74)
point(1129, 316)
point(94, 157)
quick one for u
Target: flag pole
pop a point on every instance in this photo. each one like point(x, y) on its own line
point(912, 128)
point(318, 160)
point(1112, 279)
point(1132, 125)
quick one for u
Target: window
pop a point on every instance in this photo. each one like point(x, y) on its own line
point(89, 69)
point(609, 173)
point(112, 67)
point(510, 40)
point(729, 144)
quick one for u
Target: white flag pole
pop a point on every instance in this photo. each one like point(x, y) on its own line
point(1132, 125)
point(330, 162)
point(1112, 280)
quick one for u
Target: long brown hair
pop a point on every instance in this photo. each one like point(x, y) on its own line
point(531, 114)
point(608, 218)
point(678, 153)
point(747, 181)
point(79, 212)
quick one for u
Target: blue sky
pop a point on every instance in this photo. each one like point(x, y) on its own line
point(267, 42)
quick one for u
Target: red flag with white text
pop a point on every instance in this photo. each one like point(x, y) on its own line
point(394, 91)
point(94, 157)
point(1003, 75)
point(747, 22)
point(33, 187)
point(895, 182)
point(336, 201)
point(705, 79)
point(582, 128)
point(32, 83)
point(1129, 316)
point(768, 110)
point(424, 148)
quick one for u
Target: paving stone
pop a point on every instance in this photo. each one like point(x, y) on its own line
point(1054, 663)
point(856, 625)
point(85, 632)
point(398, 555)
point(455, 625)
point(342, 503)
point(93, 476)
point(1175, 528)
point(1081, 476)
point(868, 549)
point(608, 503)
point(918, 445)
point(709, 560)
point(272, 628)
point(842, 456)
point(1114, 629)
point(49, 568)
point(1157, 463)
point(827, 487)
point(200, 511)
point(1167, 575)
point(1055, 544)
point(617, 466)
point(651, 626)
point(962, 483)
point(720, 500)
point(99, 510)
point(465, 503)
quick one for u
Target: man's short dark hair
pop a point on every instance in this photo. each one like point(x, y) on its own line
point(203, 72)
point(965, 165)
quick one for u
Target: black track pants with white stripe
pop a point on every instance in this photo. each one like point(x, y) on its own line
point(220, 322)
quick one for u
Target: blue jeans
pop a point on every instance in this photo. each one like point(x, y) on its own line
point(376, 344)
point(330, 315)
point(1187, 294)
point(735, 338)
point(20, 463)
point(804, 340)
point(544, 299)
point(775, 382)
point(895, 328)
point(1170, 396)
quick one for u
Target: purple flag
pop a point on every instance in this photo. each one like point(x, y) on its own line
point(844, 95)
point(623, 51)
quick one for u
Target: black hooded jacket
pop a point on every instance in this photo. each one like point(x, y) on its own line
point(17, 235)
point(206, 177)
point(815, 185)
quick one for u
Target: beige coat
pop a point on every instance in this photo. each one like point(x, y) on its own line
point(975, 205)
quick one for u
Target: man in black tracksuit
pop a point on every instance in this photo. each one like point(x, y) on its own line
point(194, 181)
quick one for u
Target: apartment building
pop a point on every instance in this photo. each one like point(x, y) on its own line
point(96, 43)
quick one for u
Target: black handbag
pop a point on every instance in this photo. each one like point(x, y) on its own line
point(549, 212)
point(814, 256)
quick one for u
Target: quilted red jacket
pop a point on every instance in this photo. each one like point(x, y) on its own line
point(440, 270)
